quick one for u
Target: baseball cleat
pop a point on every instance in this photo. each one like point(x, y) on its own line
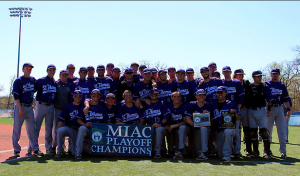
point(178, 155)
point(38, 153)
point(16, 154)
point(283, 155)
point(268, 155)
point(59, 155)
point(157, 156)
point(201, 157)
point(28, 153)
point(226, 158)
point(50, 152)
point(78, 157)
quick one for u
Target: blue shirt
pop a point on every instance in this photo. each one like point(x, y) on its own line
point(194, 108)
point(105, 85)
point(23, 89)
point(111, 112)
point(130, 115)
point(142, 90)
point(210, 87)
point(70, 114)
point(187, 91)
point(177, 115)
point(96, 114)
point(278, 91)
point(116, 83)
point(92, 80)
point(235, 91)
point(155, 112)
point(46, 89)
point(165, 91)
point(84, 86)
point(70, 81)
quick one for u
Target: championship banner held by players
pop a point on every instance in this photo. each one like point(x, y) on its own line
point(121, 139)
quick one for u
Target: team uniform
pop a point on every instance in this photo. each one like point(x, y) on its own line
point(210, 89)
point(84, 86)
point(111, 112)
point(165, 91)
point(131, 115)
point(187, 91)
point(105, 85)
point(142, 90)
point(70, 81)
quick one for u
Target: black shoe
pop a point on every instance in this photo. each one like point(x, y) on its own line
point(78, 157)
point(59, 155)
point(38, 153)
point(157, 155)
point(178, 155)
point(238, 156)
point(16, 154)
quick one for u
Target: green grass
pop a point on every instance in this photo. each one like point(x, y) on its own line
point(96, 165)
point(10, 121)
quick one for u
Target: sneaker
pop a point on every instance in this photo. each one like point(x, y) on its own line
point(59, 155)
point(201, 157)
point(29, 153)
point(78, 157)
point(157, 155)
point(283, 155)
point(38, 153)
point(178, 155)
point(16, 154)
point(226, 158)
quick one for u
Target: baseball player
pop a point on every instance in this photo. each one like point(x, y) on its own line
point(128, 113)
point(200, 134)
point(23, 91)
point(224, 137)
point(172, 73)
point(186, 89)
point(280, 96)
point(109, 68)
point(82, 84)
point(190, 77)
point(154, 74)
point(71, 71)
point(96, 114)
point(46, 89)
point(105, 85)
point(116, 72)
point(156, 114)
point(90, 73)
point(62, 98)
point(165, 89)
point(212, 67)
point(67, 125)
point(216, 74)
point(141, 68)
point(142, 88)
point(127, 84)
point(257, 95)
point(135, 67)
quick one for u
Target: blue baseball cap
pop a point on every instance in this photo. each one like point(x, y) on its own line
point(275, 70)
point(153, 90)
point(200, 91)
point(190, 70)
point(51, 66)
point(161, 71)
point(116, 69)
point(171, 68)
point(216, 73)
point(204, 69)
point(111, 95)
point(110, 64)
point(153, 69)
point(134, 63)
point(27, 65)
point(100, 67)
point(143, 66)
point(180, 70)
point(239, 71)
point(83, 69)
point(212, 64)
point(128, 70)
point(95, 91)
point(77, 92)
point(63, 72)
point(257, 73)
point(146, 70)
point(70, 66)
point(221, 89)
point(90, 67)
point(226, 68)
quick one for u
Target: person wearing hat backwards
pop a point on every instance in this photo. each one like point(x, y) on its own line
point(23, 91)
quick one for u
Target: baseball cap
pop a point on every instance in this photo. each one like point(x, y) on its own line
point(82, 69)
point(134, 63)
point(275, 70)
point(51, 66)
point(110, 64)
point(221, 89)
point(99, 67)
point(212, 64)
point(239, 71)
point(70, 66)
point(116, 69)
point(257, 73)
point(200, 91)
point(90, 67)
point(143, 66)
point(77, 92)
point(180, 70)
point(216, 73)
point(204, 69)
point(94, 91)
point(128, 70)
point(146, 70)
point(190, 70)
point(27, 65)
point(161, 71)
point(153, 90)
point(171, 68)
point(63, 72)
point(154, 70)
point(111, 95)
point(226, 68)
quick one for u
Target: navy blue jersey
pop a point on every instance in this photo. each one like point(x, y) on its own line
point(194, 82)
point(216, 114)
point(92, 80)
point(155, 112)
point(105, 85)
point(96, 114)
point(137, 77)
point(142, 90)
point(165, 91)
point(186, 90)
point(235, 91)
point(131, 115)
point(70, 81)
point(194, 108)
point(70, 114)
point(177, 115)
point(278, 91)
point(111, 112)
point(116, 83)
point(46, 89)
point(210, 88)
point(84, 86)
point(23, 89)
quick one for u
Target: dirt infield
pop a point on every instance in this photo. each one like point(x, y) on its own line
point(6, 148)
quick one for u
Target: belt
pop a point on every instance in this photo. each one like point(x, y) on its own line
point(257, 108)
point(276, 105)
point(45, 103)
point(26, 104)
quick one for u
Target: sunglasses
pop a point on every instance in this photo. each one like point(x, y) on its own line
point(78, 96)
point(28, 68)
point(220, 93)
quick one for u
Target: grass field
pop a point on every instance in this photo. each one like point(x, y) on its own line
point(96, 165)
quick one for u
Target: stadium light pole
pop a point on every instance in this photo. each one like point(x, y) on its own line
point(20, 12)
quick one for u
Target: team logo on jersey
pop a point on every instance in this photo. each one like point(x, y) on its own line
point(97, 135)
point(102, 86)
point(48, 89)
point(231, 90)
point(28, 87)
point(84, 90)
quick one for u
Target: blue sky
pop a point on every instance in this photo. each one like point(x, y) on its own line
point(246, 35)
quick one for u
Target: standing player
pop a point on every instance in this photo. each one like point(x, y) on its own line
point(109, 68)
point(90, 73)
point(142, 88)
point(280, 96)
point(116, 72)
point(216, 74)
point(23, 91)
point(82, 84)
point(190, 77)
point(212, 67)
point(71, 71)
point(165, 89)
point(135, 67)
point(172, 73)
point(154, 74)
point(186, 89)
point(127, 84)
point(141, 68)
point(105, 85)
